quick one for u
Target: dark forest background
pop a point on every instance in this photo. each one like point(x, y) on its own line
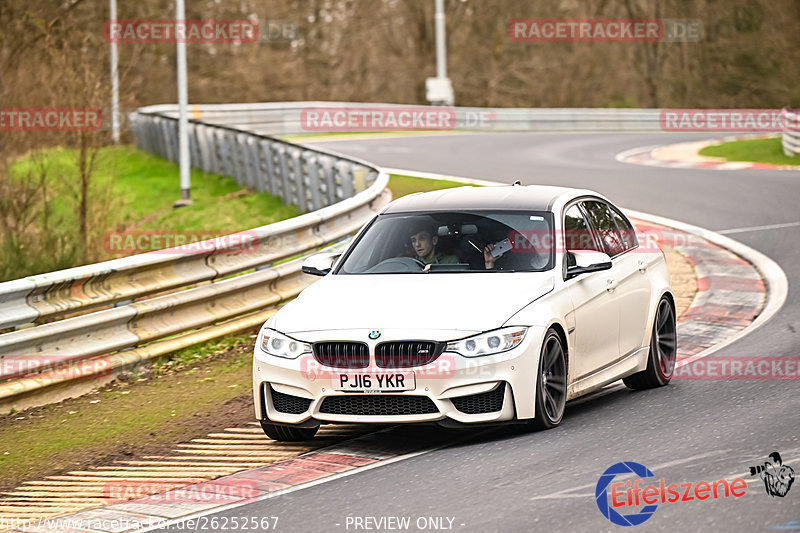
point(53, 52)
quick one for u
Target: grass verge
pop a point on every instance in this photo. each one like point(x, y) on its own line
point(130, 190)
point(404, 185)
point(145, 186)
point(199, 389)
point(752, 150)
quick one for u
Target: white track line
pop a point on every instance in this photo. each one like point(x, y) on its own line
point(566, 493)
point(759, 228)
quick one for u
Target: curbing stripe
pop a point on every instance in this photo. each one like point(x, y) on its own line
point(60, 495)
point(777, 285)
point(646, 155)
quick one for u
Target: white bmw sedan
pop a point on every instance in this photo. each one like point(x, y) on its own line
point(465, 306)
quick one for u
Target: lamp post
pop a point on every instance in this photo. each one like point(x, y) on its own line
point(114, 79)
point(183, 124)
point(439, 90)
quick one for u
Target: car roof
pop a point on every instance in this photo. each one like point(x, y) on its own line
point(512, 197)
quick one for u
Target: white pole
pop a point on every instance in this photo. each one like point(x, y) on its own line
point(439, 90)
point(114, 80)
point(441, 51)
point(183, 98)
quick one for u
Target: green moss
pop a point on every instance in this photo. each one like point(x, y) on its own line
point(752, 150)
point(403, 185)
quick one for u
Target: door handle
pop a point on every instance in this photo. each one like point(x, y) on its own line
point(611, 284)
point(642, 266)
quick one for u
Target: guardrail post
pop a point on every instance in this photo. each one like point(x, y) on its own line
point(294, 178)
point(343, 178)
point(239, 170)
point(282, 171)
point(170, 129)
point(195, 160)
point(218, 150)
point(256, 179)
point(327, 186)
point(311, 179)
point(225, 166)
point(270, 173)
point(203, 146)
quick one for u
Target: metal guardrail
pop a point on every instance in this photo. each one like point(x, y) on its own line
point(311, 179)
point(168, 293)
point(284, 118)
point(791, 136)
point(308, 178)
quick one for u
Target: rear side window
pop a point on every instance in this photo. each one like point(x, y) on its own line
point(603, 221)
point(626, 230)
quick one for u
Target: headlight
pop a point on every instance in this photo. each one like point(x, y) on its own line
point(280, 345)
point(491, 342)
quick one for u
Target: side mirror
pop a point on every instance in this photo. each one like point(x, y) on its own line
point(320, 264)
point(586, 262)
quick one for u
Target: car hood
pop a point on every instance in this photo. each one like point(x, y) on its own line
point(470, 302)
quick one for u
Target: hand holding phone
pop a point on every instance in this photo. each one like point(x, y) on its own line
point(501, 248)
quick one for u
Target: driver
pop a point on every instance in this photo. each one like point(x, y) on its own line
point(424, 238)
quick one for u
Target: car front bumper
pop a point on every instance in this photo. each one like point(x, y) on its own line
point(455, 388)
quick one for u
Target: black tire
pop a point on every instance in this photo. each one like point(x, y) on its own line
point(288, 433)
point(663, 351)
point(551, 384)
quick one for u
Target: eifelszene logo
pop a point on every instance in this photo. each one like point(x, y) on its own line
point(777, 477)
point(626, 496)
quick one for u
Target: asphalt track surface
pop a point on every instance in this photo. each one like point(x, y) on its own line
point(690, 431)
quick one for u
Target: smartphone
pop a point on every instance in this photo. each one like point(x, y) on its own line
point(501, 247)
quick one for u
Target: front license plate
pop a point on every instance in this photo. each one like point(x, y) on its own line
point(374, 382)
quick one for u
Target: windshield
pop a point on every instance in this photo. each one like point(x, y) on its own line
point(511, 241)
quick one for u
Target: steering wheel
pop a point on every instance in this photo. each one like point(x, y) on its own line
point(398, 265)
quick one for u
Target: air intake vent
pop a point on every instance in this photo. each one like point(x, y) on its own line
point(374, 405)
point(342, 354)
point(286, 403)
point(486, 402)
point(405, 354)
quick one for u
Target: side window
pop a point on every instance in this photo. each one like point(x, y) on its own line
point(603, 221)
point(625, 229)
point(577, 235)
